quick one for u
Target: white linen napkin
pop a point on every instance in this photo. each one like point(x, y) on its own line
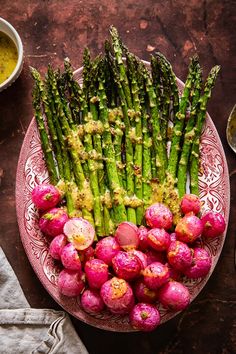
point(24, 330)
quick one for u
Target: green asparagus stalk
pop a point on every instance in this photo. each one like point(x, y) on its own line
point(173, 87)
point(131, 214)
point(57, 142)
point(46, 146)
point(109, 153)
point(158, 141)
point(97, 144)
point(75, 92)
point(180, 121)
point(189, 134)
point(138, 148)
point(194, 158)
point(75, 147)
point(88, 144)
point(116, 44)
point(147, 142)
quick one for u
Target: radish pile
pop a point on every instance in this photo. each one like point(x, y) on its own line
point(137, 268)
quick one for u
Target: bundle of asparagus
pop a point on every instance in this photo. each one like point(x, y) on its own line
point(106, 143)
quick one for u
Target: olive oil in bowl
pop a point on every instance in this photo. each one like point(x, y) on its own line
point(8, 56)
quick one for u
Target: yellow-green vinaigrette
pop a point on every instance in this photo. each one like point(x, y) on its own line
point(8, 56)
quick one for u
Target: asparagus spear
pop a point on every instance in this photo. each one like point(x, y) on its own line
point(46, 145)
point(189, 133)
point(116, 44)
point(88, 144)
point(180, 121)
point(75, 147)
point(158, 142)
point(75, 92)
point(131, 215)
point(194, 158)
point(109, 153)
point(162, 90)
point(167, 69)
point(147, 142)
point(138, 148)
point(97, 144)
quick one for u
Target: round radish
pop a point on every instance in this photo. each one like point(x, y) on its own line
point(96, 272)
point(213, 224)
point(142, 235)
point(56, 246)
point(87, 254)
point(79, 232)
point(143, 293)
point(106, 249)
point(52, 222)
point(126, 235)
point(201, 264)
point(189, 228)
point(155, 275)
point(141, 256)
point(126, 265)
point(144, 317)
point(45, 196)
point(159, 216)
point(91, 301)
point(70, 258)
point(70, 283)
point(179, 255)
point(190, 203)
point(154, 256)
point(174, 296)
point(117, 295)
point(158, 239)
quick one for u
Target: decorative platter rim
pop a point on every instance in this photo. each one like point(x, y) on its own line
point(214, 193)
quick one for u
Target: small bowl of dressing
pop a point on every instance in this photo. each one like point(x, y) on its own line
point(11, 54)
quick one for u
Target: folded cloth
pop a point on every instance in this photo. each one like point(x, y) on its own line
point(24, 330)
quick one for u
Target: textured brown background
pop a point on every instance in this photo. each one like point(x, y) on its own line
point(51, 30)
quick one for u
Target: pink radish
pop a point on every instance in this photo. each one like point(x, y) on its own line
point(91, 301)
point(201, 264)
point(96, 272)
point(52, 222)
point(155, 275)
point(189, 228)
point(126, 235)
point(56, 246)
point(142, 235)
point(126, 265)
point(143, 293)
point(87, 254)
point(141, 256)
point(144, 317)
point(79, 232)
point(158, 239)
point(70, 258)
point(174, 296)
point(45, 196)
point(159, 216)
point(190, 203)
point(70, 283)
point(106, 249)
point(213, 224)
point(154, 256)
point(179, 255)
point(117, 295)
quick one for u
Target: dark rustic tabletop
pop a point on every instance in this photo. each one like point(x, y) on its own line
point(54, 29)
